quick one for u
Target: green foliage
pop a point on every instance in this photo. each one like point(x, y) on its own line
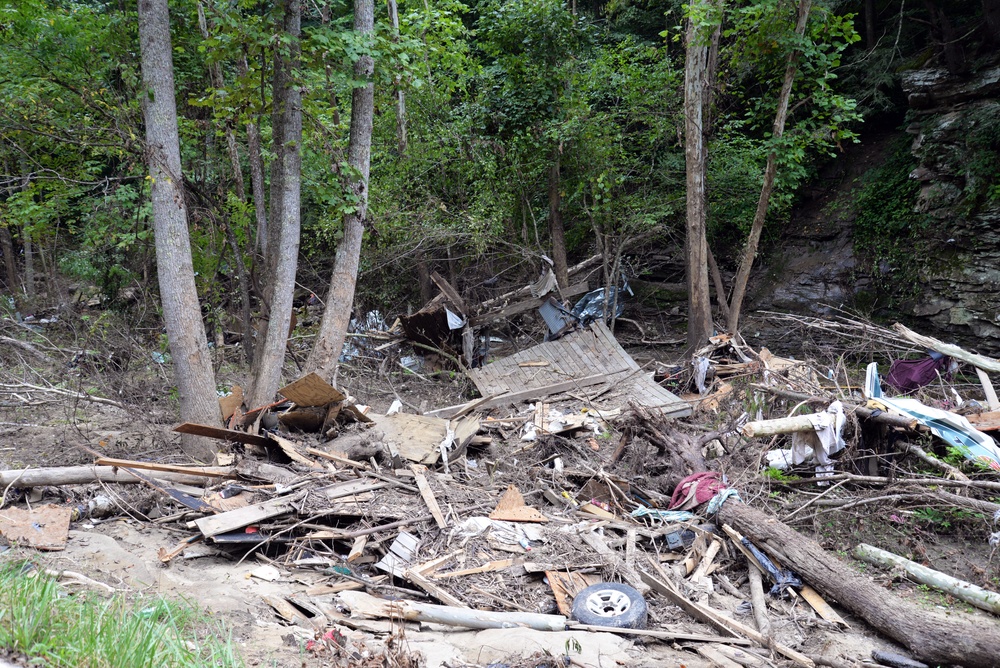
point(887, 230)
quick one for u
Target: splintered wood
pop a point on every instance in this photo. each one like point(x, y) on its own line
point(512, 508)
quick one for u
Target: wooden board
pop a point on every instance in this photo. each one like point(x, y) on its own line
point(311, 390)
point(244, 517)
point(579, 359)
point(415, 437)
point(985, 421)
point(206, 471)
point(565, 587)
point(231, 402)
point(511, 508)
point(231, 435)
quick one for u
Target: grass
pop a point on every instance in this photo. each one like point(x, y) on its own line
point(52, 628)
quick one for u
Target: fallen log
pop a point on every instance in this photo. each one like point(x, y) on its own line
point(787, 425)
point(934, 637)
point(83, 475)
point(880, 417)
point(966, 591)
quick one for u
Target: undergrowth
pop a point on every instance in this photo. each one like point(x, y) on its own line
point(40, 620)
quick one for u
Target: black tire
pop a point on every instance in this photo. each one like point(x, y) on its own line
point(610, 604)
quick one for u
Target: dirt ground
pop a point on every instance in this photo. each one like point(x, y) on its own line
point(44, 429)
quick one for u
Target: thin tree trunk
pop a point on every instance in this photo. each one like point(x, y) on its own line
point(256, 160)
point(29, 266)
point(9, 260)
point(557, 233)
point(720, 288)
point(333, 328)
point(285, 232)
point(215, 74)
point(750, 250)
point(397, 83)
point(870, 24)
point(179, 297)
point(991, 12)
point(696, 246)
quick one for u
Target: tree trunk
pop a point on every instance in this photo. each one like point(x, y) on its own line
point(696, 246)
point(9, 260)
point(750, 250)
point(256, 161)
point(869, 24)
point(29, 266)
point(934, 637)
point(397, 83)
point(991, 12)
point(337, 315)
point(215, 74)
point(179, 297)
point(556, 232)
point(285, 230)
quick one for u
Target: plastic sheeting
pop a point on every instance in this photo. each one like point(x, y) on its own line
point(949, 427)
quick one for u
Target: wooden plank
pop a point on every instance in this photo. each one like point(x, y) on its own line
point(357, 549)
point(428, 495)
point(488, 567)
point(565, 587)
point(542, 392)
point(243, 517)
point(291, 449)
point(311, 390)
point(229, 403)
point(204, 471)
point(431, 588)
point(991, 394)
point(231, 435)
point(450, 292)
point(985, 421)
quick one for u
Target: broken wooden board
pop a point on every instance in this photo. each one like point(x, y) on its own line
point(985, 421)
point(511, 508)
point(418, 438)
point(400, 554)
point(291, 450)
point(488, 567)
point(450, 292)
point(428, 495)
point(229, 403)
point(311, 390)
point(231, 435)
point(524, 306)
point(565, 586)
point(43, 527)
point(243, 517)
point(307, 418)
point(584, 357)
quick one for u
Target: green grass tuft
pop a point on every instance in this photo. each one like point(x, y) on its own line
point(39, 619)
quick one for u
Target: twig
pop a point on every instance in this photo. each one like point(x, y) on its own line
point(810, 502)
point(66, 393)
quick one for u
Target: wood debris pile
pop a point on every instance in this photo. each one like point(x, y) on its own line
point(498, 517)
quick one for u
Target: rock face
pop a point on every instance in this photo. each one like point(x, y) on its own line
point(956, 141)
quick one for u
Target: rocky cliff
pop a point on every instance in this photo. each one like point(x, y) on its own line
point(940, 269)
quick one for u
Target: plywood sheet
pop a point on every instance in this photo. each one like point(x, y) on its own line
point(311, 390)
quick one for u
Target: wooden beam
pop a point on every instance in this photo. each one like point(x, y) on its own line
point(450, 292)
point(428, 494)
point(231, 435)
point(244, 517)
point(523, 306)
point(951, 350)
point(201, 471)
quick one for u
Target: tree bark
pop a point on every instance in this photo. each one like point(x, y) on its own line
point(337, 316)
point(9, 260)
point(215, 74)
point(397, 83)
point(285, 229)
point(696, 245)
point(557, 234)
point(29, 266)
point(750, 250)
point(178, 294)
point(933, 637)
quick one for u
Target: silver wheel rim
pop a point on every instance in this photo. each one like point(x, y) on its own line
point(608, 603)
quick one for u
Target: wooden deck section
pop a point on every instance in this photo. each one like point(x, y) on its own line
point(589, 358)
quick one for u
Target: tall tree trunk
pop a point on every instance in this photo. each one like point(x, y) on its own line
point(9, 260)
point(29, 266)
point(870, 24)
point(696, 246)
point(771, 169)
point(285, 230)
point(256, 160)
point(397, 83)
point(991, 12)
point(215, 74)
point(178, 295)
point(557, 234)
point(337, 316)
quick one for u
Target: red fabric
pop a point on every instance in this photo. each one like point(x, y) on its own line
point(696, 489)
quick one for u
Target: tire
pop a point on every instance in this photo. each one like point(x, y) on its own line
point(610, 604)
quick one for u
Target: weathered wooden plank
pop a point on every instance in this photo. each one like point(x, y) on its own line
point(231, 435)
point(243, 517)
